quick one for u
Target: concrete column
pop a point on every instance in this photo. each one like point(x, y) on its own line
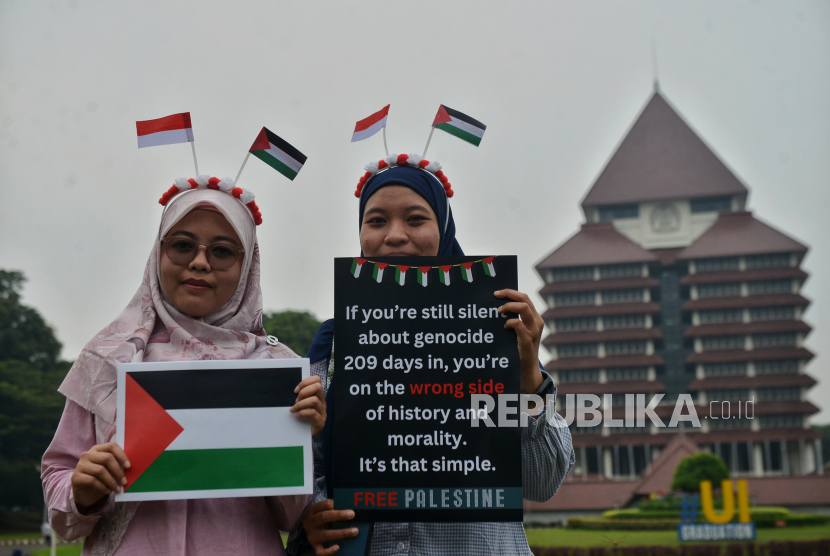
point(758, 457)
point(609, 463)
point(809, 457)
point(750, 454)
point(819, 457)
point(785, 458)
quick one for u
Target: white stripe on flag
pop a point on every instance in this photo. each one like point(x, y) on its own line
point(283, 157)
point(238, 427)
point(165, 138)
point(461, 124)
point(369, 131)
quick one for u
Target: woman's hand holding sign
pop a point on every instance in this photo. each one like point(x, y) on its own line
point(316, 527)
point(528, 329)
point(311, 403)
point(99, 473)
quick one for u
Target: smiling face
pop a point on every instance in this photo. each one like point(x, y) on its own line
point(399, 222)
point(196, 288)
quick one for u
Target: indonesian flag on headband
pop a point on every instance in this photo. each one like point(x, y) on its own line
point(278, 154)
point(444, 275)
point(367, 127)
point(423, 273)
point(487, 263)
point(467, 271)
point(202, 430)
point(377, 274)
point(458, 124)
point(357, 264)
point(400, 274)
point(165, 131)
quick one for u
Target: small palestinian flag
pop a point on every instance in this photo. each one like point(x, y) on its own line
point(357, 264)
point(367, 127)
point(460, 125)
point(487, 263)
point(278, 154)
point(444, 275)
point(212, 429)
point(400, 274)
point(165, 131)
point(423, 273)
point(377, 274)
point(467, 271)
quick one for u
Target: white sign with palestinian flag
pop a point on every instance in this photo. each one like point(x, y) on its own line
point(212, 429)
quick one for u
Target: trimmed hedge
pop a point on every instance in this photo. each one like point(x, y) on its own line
point(790, 548)
point(764, 517)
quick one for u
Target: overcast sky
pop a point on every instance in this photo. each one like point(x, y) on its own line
point(557, 83)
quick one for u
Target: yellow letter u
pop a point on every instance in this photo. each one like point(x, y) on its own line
point(708, 506)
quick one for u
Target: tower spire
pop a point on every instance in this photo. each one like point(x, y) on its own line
point(654, 64)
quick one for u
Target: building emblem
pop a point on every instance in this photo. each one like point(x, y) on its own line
point(665, 218)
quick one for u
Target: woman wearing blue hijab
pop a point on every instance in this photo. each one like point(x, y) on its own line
point(404, 211)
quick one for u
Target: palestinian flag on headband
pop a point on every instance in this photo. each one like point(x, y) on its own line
point(367, 127)
point(377, 274)
point(423, 274)
point(458, 124)
point(467, 271)
point(165, 131)
point(487, 263)
point(444, 275)
point(400, 274)
point(212, 429)
point(278, 154)
point(357, 264)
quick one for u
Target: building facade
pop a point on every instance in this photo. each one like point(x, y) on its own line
point(673, 287)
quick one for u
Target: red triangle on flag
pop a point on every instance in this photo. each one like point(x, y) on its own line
point(424, 269)
point(382, 265)
point(446, 268)
point(441, 117)
point(261, 142)
point(469, 265)
point(403, 268)
point(359, 260)
point(148, 430)
point(488, 260)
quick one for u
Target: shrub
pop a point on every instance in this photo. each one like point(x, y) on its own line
point(696, 468)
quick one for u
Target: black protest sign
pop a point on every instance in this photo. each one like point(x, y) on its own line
point(415, 339)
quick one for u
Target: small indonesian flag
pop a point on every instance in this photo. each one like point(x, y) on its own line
point(202, 430)
point(357, 264)
point(460, 125)
point(165, 131)
point(369, 126)
point(278, 154)
point(467, 271)
point(487, 263)
point(423, 272)
point(445, 274)
point(400, 274)
point(377, 274)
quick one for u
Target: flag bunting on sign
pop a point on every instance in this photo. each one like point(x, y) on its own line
point(422, 272)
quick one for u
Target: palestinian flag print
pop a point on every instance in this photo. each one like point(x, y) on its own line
point(400, 274)
point(357, 264)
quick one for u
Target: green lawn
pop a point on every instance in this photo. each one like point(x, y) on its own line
point(582, 538)
point(28, 535)
point(63, 550)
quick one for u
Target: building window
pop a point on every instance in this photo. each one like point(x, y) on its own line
point(622, 296)
point(774, 340)
point(625, 347)
point(578, 323)
point(616, 212)
point(573, 273)
point(720, 315)
point(620, 270)
point(576, 350)
point(626, 373)
point(716, 264)
point(579, 375)
point(723, 289)
point(712, 204)
point(770, 286)
point(727, 395)
point(767, 261)
point(785, 393)
point(776, 366)
point(727, 424)
point(624, 321)
point(781, 421)
point(574, 298)
point(725, 369)
point(722, 342)
point(772, 313)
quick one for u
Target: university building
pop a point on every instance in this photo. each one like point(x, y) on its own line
point(673, 286)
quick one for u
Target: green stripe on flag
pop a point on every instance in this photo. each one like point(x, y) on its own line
point(275, 164)
point(460, 133)
point(176, 470)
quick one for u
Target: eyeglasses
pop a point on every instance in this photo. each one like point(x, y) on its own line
point(220, 256)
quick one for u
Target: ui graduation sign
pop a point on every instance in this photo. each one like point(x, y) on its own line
point(212, 429)
point(415, 338)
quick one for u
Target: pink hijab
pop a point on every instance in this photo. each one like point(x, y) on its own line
point(150, 328)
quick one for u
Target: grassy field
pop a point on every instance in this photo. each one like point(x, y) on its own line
point(10, 536)
point(582, 538)
point(65, 550)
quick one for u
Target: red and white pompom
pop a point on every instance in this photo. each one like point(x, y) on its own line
point(245, 196)
point(414, 160)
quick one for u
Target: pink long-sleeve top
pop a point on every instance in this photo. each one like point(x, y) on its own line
point(172, 527)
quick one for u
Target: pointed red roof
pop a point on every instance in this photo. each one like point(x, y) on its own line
point(739, 233)
point(596, 244)
point(661, 158)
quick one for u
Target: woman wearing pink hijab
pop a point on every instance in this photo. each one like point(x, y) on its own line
point(200, 298)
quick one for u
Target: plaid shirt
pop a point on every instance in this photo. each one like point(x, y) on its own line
point(547, 456)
